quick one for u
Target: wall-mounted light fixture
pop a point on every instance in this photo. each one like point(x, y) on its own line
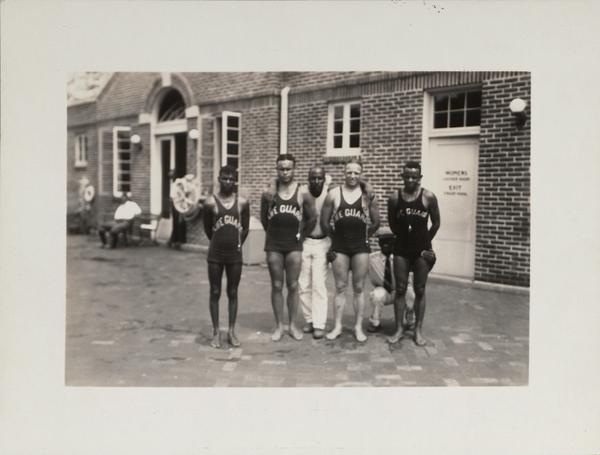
point(517, 107)
point(194, 134)
point(136, 140)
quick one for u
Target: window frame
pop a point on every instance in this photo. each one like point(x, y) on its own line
point(81, 156)
point(225, 115)
point(345, 150)
point(116, 160)
point(448, 131)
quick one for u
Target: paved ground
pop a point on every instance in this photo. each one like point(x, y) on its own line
point(138, 316)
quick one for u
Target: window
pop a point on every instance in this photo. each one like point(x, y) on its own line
point(457, 110)
point(172, 107)
point(81, 150)
point(121, 160)
point(231, 140)
point(343, 136)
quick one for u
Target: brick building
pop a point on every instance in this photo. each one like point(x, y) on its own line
point(474, 151)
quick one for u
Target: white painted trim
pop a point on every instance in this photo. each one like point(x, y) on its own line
point(81, 163)
point(115, 162)
point(171, 127)
point(144, 118)
point(283, 131)
point(192, 111)
point(165, 79)
point(346, 150)
point(224, 155)
point(100, 162)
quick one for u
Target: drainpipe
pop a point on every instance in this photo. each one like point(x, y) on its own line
point(284, 121)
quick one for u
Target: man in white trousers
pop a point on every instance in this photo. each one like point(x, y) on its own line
point(311, 283)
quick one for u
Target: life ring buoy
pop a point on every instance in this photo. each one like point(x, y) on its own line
point(88, 193)
point(185, 196)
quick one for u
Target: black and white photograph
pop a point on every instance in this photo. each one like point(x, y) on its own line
point(298, 229)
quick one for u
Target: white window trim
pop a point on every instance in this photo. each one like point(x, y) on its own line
point(78, 152)
point(346, 150)
point(224, 116)
point(116, 130)
point(447, 132)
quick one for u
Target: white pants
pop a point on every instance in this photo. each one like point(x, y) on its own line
point(379, 297)
point(311, 283)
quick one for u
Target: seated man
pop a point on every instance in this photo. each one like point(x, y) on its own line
point(124, 216)
point(381, 274)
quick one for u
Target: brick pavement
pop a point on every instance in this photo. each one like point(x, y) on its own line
point(138, 316)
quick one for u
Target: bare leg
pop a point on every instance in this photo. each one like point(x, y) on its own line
point(275, 261)
point(401, 270)
point(341, 266)
point(215, 275)
point(360, 266)
point(234, 272)
point(293, 260)
point(420, 273)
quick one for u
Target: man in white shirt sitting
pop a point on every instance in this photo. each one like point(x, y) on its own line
point(381, 274)
point(123, 219)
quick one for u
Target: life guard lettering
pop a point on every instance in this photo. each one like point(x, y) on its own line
point(350, 213)
point(410, 211)
point(285, 208)
point(227, 220)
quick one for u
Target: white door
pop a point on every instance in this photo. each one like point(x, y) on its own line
point(450, 171)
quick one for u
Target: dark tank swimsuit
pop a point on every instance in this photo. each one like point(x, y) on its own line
point(284, 224)
point(225, 244)
point(413, 235)
point(350, 224)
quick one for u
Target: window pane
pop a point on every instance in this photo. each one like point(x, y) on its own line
point(457, 119)
point(232, 149)
point(233, 122)
point(354, 110)
point(125, 166)
point(233, 135)
point(473, 117)
point(337, 142)
point(441, 103)
point(457, 101)
point(354, 140)
point(474, 99)
point(124, 145)
point(440, 120)
point(232, 162)
point(338, 127)
point(124, 156)
point(123, 135)
point(338, 112)
point(124, 178)
point(355, 126)
point(125, 187)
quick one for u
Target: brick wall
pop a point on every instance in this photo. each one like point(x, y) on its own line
point(503, 215)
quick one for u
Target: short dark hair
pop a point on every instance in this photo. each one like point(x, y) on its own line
point(286, 157)
point(315, 167)
point(227, 169)
point(413, 165)
point(354, 160)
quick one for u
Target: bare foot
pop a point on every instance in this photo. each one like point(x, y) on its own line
point(277, 334)
point(233, 341)
point(216, 341)
point(395, 337)
point(359, 334)
point(418, 338)
point(295, 332)
point(336, 332)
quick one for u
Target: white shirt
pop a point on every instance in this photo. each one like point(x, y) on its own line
point(127, 211)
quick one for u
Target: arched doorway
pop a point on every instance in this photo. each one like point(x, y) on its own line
point(170, 150)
